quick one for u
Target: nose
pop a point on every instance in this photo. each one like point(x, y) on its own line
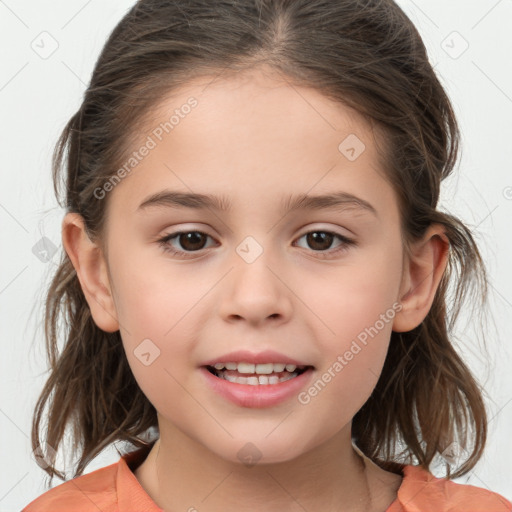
point(256, 292)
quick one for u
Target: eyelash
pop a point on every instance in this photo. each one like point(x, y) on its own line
point(164, 243)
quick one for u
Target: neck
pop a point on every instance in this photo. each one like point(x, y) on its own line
point(180, 474)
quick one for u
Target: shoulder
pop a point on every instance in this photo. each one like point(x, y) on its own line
point(422, 491)
point(90, 492)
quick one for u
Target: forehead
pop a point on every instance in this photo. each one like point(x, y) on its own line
point(257, 105)
point(253, 133)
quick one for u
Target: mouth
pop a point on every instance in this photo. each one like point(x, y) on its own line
point(262, 374)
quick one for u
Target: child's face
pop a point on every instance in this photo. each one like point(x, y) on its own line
point(256, 282)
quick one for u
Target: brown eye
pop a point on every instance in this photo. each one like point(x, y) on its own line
point(188, 242)
point(192, 240)
point(319, 240)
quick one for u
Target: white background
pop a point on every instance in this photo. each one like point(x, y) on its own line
point(38, 95)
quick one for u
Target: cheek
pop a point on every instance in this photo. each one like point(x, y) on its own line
point(156, 346)
point(151, 293)
point(152, 309)
point(355, 298)
point(351, 367)
point(358, 308)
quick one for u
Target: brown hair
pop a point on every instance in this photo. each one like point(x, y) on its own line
point(365, 54)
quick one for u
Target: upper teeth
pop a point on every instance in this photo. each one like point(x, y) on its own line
point(264, 368)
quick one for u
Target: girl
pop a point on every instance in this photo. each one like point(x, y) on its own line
point(297, 356)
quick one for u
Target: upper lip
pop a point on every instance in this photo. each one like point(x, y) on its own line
point(245, 356)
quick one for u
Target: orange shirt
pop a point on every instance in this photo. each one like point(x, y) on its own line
point(115, 488)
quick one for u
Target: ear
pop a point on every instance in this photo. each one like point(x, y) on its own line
point(91, 269)
point(421, 276)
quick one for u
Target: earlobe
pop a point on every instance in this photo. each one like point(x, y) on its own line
point(90, 265)
point(421, 277)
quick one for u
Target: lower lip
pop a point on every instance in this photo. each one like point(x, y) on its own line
point(260, 395)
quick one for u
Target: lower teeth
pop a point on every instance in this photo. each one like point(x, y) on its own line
point(256, 381)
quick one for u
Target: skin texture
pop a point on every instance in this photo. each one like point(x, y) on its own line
point(256, 139)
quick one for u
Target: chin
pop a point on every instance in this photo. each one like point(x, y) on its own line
point(257, 451)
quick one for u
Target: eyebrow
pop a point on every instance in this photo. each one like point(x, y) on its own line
point(333, 200)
